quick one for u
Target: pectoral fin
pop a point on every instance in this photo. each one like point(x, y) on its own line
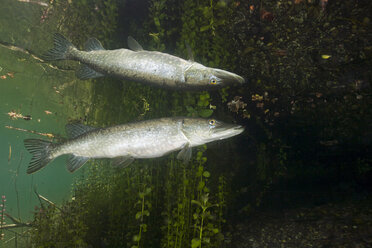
point(185, 153)
point(122, 161)
point(75, 162)
point(86, 73)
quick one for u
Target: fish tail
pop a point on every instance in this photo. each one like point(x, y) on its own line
point(41, 153)
point(61, 50)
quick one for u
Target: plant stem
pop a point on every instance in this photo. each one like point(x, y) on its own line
point(201, 228)
point(142, 210)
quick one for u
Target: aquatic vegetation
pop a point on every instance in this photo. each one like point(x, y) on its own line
point(63, 226)
point(97, 18)
point(182, 221)
point(202, 108)
point(127, 211)
point(2, 216)
point(206, 221)
point(204, 231)
point(145, 206)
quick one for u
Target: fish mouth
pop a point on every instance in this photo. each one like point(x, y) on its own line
point(226, 131)
point(228, 77)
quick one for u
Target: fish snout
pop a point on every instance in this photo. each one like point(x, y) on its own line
point(231, 128)
point(238, 129)
point(227, 77)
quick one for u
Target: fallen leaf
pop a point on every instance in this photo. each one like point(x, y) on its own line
point(10, 153)
point(10, 74)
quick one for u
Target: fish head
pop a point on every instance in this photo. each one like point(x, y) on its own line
point(200, 131)
point(198, 75)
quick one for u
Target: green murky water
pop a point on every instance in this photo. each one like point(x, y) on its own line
point(28, 89)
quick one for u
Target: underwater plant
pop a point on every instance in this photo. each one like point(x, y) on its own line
point(2, 216)
point(145, 206)
point(204, 231)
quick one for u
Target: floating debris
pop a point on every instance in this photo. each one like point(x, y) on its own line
point(34, 2)
point(257, 97)
point(212, 106)
point(323, 4)
point(10, 74)
point(280, 52)
point(14, 115)
point(361, 84)
point(47, 112)
point(236, 104)
point(326, 56)
point(266, 15)
point(10, 153)
point(49, 135)
point(260, 105)
point(146, 106)
point(328, 142)
point(246, 115)
point(251, 8)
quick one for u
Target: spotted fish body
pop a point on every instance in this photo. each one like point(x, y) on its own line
point(124, 143)
point(151, 67)
point(156, 138)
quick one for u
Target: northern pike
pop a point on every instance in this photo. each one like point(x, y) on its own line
point(127, 142)
point(136, 64)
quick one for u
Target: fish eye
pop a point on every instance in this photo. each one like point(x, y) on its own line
point(213, 80)
point(212, 122)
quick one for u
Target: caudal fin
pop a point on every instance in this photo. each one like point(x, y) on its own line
point(61, 49)
point(40, 150)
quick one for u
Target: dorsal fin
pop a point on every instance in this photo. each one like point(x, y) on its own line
point(76, 129)
point(93, 44)
point(189, 51)
point(133, 44)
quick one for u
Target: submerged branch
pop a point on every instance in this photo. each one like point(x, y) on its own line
point(25, 51)
point(40, 197)
point(15, 220)
point(10, 226)
point(48, 201)
point(16, 223)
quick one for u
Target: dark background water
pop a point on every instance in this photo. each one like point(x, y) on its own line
point(306, 108)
